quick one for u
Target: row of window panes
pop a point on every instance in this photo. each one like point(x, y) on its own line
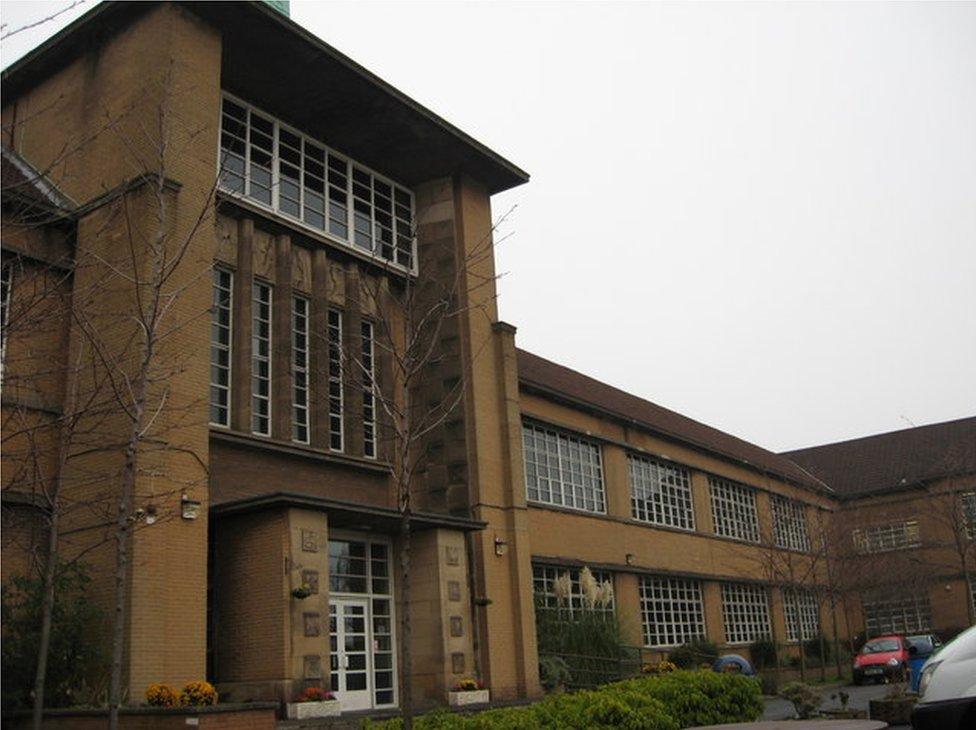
point(265, 161)
point(896, 613)
point(546, 577)
point(733, 510)
point(261, 337)
point(745, 613)
point(789, 524)
point(881, 538)
point(672, 610)
point(562, 469)
point(660, 493)
point(357, 566)
point(802, 615)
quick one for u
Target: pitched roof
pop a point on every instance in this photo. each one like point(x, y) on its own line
point(556, 381)
point(895, 460)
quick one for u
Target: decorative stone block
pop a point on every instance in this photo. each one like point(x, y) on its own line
point(312, 624)
point(474, 697)
point(310, 578)
point(305, 710)
point(457, 662)
point(310, 541)
point(457, 626)
point(312, 668)
point(453, 590)
point(453, 555)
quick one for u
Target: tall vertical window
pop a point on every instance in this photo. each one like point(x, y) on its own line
point(220, 334)
point(789, 524)
point(261, 359)
point(660, 493)
point(896, 612)
point(265, 160)
point(334, 337)
point(672, 611)
point(745, 613)
point(562, 469)
point(369, 397)
point(802, 616)
point(299, 369)
point(733, 510)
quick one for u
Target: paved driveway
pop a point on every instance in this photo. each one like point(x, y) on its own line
point(780, 709)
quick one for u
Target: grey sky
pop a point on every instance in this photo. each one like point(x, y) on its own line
point(760, 215)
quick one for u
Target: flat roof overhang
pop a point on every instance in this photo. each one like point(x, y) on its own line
point(274, 63)
point(347, 515)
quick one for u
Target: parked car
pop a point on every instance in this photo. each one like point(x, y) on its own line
point(947, 687)
point(882, 658)
point(920, 648)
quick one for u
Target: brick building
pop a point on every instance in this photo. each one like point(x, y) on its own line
point(287, 202)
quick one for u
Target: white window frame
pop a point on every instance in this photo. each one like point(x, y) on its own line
point(896, 612)
point(258, 358)
point(300, 328)
point(734, 513)
point(544, 576)
point(370, 539)
point(398, 222)
point(672, 611)
point(661, 493)
point(228, 348)
point(368, 370)
point(886, 538)
point(574, 493)
point(789, 523)
point(336, 368)
point(745, 613)
point(802, 615)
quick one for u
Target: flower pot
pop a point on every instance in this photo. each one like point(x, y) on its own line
point(468, 697)
point(892, 711)
point(305, 710)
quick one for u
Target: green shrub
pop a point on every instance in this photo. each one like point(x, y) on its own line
point(553, 672)
point(663, 702)
point(75, 661)
point(588, 640)
point(805, 698)
point(694, 654)
point(811, 648)
point(762, 653)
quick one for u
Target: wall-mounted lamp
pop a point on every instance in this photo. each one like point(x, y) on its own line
point(189, 508)
point(501, 547)
point(629, 558)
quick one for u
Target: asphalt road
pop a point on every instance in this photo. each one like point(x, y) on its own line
point(780, 709)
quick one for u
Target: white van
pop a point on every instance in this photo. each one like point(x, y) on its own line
point(947, 687)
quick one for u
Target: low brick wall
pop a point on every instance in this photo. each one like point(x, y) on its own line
point(245, 716)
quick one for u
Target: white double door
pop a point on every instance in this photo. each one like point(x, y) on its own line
point(351, 653)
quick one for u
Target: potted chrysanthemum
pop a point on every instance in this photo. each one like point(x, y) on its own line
point(312, 702)
point(468, 692)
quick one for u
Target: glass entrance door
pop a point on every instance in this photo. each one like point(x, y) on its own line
point(350, 653)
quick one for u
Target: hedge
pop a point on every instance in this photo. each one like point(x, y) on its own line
point(664, 702)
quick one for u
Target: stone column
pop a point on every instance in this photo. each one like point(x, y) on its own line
point(714, 624)
point(319, 355)
point(627, 603)
point(352, 361)
point(308, 625)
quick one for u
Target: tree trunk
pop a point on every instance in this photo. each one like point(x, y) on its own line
point(47, 612)
point(406, 700)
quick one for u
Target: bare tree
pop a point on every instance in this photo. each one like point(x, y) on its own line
point(416, 321)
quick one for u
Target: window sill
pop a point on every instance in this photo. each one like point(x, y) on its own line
point(292, 448)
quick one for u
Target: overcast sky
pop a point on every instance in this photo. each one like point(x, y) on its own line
point(760, 215)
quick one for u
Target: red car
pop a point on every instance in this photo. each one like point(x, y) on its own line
point(883, 658)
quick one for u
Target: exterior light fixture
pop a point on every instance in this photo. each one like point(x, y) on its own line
point(629, 558)
point(501, 547)
point(189, 508)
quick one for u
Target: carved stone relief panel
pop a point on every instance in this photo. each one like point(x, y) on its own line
point(264, 255)
point(226, 232)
